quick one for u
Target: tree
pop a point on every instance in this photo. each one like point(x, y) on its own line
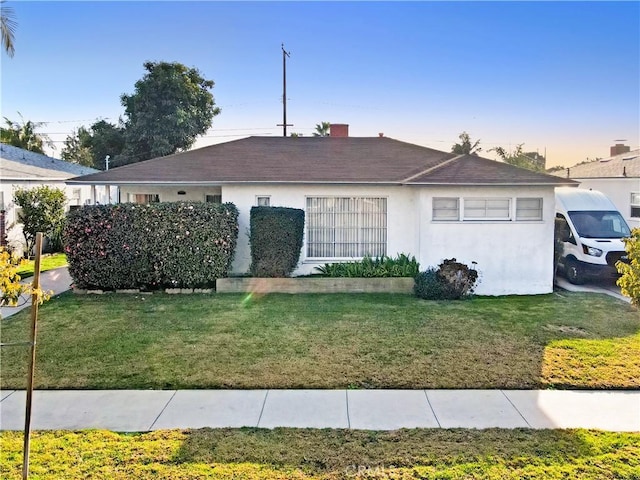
point(518, 158)
point(24, 135)
point(171, 106)
point(76, 148)
point(8, 26)
point(322, 129)
point(42, 211)
point(465, 147)
point(629, 282)
point(91, 146)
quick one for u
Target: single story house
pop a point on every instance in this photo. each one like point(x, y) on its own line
point(618, 177)
point(370, 196)
point(21, 168)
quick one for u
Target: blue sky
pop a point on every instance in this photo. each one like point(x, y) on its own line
point(560, 76)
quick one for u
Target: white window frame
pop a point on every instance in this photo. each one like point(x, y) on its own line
point(634, 204)
point(520, 209)
point(368, 234)
point(263, 200)
point(439, 209)
point(487, 209)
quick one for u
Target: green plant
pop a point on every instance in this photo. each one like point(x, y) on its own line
point(629, 282)
point(428, 286)
point(180, 244)
point(276, 240)
point(42, 211)
point(400, 266)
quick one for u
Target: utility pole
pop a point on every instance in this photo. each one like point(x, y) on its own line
point(284, 123)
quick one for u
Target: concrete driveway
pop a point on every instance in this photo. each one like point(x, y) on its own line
point(608, 287)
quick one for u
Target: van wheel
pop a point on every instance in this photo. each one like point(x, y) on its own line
point(573, 272)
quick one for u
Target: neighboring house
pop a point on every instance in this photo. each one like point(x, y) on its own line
point(370, 196)
point(618, 177)
point(21, 168)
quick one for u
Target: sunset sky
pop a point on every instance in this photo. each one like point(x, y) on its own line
point(560, 77)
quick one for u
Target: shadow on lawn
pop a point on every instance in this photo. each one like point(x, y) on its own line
point(321, 451)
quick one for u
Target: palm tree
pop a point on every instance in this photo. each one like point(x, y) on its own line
point(322, 129)
point(8, 26)
point(24, 135)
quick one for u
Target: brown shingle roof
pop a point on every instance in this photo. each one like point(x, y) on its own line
point(309, 160)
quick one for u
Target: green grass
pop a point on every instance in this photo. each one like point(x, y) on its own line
point(47, 262)
point(325, 454)
point(327, 341)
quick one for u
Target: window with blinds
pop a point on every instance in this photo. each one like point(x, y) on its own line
point(346, 227)
point(528, 209)
point(446, 208)
point(487, 208)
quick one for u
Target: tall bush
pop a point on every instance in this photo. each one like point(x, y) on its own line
point(180, 244)
point(276, 240)
point(629, 282)
point(42, 211)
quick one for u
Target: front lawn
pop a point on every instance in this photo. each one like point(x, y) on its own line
point(47, 262)
point(325, 454)
point(327, 341)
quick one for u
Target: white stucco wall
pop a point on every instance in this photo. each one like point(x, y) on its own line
point(619, 191)
point(512, 257)
point(401, 207)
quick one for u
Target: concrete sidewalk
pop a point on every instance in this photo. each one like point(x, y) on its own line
point(57, 280)
point(145, 410)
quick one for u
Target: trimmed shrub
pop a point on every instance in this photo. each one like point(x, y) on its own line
point(178, 244)
point(451, 281)
point(276, 240)
point(401, 266)
point(428, 285)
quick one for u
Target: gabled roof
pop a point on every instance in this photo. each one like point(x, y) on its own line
point(18, 163)
point(619, 166)
point(335, 160)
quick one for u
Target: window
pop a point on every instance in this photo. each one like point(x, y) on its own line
point(339, 227)
point(528, 209)
point(75, 196)
point(446, 209)
point(2, 207)
point(487, 208)
point(144, 198)
point(635, 205)
point(263, 201)
point(213, 198)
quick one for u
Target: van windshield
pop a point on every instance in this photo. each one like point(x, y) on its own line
point(594, 224)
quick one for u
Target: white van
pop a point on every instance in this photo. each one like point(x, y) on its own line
point(591, 230)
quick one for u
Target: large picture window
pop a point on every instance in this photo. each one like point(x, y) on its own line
point(346, 227)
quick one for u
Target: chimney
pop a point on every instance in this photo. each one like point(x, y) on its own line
point(619, 148)
point(381, 134)
point(339, 130)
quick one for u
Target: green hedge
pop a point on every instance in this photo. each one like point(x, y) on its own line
point(276, 240)
point(180, 244)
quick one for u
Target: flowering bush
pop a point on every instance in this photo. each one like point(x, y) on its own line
point(179, 244)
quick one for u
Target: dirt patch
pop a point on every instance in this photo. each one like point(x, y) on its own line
point(566, 329)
